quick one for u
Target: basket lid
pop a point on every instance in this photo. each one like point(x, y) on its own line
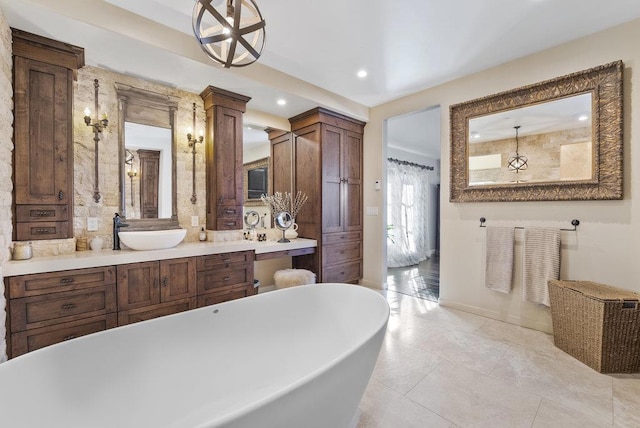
point(596, 290)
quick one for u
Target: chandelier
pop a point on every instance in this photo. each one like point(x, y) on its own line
point(517, 163)
point(230, 33)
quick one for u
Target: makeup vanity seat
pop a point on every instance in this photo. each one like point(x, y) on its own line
point(59, 298)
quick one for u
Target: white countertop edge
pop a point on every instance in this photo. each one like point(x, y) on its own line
point(89, 259)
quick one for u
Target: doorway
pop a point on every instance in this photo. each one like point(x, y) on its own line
point(412, 144)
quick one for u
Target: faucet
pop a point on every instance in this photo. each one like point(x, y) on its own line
point(117, 224)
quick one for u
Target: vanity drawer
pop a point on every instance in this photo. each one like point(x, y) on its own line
point(228, 211)
point(149, 312)
point(340, 253)
point(42, 230)
point(235, 274)
point(54, 282)
point(55, 308)
point(218, 261)
point(225, 295)
point(30, 213)
point(347, 272)
point(30, 340)
point(336, 238)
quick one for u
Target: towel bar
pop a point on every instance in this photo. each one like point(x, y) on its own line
point(575, 223)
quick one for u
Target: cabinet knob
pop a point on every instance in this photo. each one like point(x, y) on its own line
point(165, 281)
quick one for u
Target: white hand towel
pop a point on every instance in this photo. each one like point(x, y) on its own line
point(541, 262)
point(499, 266)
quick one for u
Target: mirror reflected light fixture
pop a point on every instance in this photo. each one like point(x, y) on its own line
point(132, 173)
point(518, 162)
point(192, 143)
point(98, 126)
point(236, 37)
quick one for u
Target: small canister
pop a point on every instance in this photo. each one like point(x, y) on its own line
point(22, 251)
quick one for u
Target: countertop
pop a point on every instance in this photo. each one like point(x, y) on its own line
point(88, 259)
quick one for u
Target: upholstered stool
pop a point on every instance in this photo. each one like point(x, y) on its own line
point(291, 277)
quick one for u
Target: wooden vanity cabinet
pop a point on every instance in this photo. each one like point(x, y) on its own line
point(43, 74)
point(48, 308)
point(150, 289)
point(224, 277)
point(223, 151)
point(327, 166)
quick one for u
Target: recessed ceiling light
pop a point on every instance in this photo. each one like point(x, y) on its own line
point(362, 74)
point(281, 101)
point(583, 118)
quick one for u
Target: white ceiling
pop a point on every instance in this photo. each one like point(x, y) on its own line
point(314, 48)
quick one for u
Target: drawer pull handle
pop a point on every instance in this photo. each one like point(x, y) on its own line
point(40, 231)
point(60, 195)
point(226, 260)
point(227, 278)
point(68, 306)
point(67, 281)
point(42, 213)
point(230, 223)
point(229, 211)
point(71, 336)
point(165, 281)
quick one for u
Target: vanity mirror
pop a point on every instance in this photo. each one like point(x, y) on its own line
point(556, 140)
point(147, 141)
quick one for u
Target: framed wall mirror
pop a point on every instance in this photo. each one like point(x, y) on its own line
point(147, 141)
point(556, 140)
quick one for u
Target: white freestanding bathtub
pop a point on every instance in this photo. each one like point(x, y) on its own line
point(297, 357)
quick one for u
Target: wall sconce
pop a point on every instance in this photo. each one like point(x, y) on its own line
point(132, 173)
point(192, 143)
point(97, 126)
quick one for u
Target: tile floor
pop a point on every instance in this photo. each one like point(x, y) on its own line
point(440, 367)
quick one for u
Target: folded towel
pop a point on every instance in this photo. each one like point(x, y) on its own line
point(541, 262)
point(499, 266)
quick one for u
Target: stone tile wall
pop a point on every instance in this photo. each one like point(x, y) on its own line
point(542, 151)
point(6, 153)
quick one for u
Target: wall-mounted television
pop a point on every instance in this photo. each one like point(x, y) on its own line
point(257, 182)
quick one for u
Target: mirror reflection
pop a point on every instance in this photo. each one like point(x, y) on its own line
point(546, 142)
point(256, 150)
point(148, 166)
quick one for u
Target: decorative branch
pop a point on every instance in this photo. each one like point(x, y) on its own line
point(279, 202)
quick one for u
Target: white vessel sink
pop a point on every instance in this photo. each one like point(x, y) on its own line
point(152, 239)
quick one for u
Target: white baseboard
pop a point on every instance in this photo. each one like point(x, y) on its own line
point(511, 319)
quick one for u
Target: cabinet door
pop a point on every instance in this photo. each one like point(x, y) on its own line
point(149, 183)
point(138, 285)
point(332, 179)
point(352, 181)
point(177, 279)
point(42, 133)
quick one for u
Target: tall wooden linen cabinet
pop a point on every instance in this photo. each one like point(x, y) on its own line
point(224, 157)
point(327, 166)
point(43, 74)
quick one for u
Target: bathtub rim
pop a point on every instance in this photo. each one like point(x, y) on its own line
point(229, 417)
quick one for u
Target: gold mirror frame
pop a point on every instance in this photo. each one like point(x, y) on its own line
point(604, 83)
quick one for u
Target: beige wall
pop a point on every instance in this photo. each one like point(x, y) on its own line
point(607, 243)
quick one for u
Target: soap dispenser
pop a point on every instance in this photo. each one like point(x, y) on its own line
point(203, 235)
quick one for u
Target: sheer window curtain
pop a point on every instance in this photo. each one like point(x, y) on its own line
point(408, 215)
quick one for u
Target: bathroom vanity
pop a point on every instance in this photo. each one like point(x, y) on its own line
point(58, 298)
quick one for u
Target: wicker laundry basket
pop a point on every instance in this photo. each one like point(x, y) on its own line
point(597, 324)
